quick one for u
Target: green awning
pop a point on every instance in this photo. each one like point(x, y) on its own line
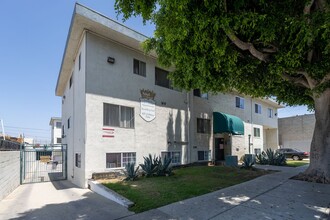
point(224, 123)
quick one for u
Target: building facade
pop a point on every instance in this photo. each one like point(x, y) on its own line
point(118, 106)
point(56, 131)
point(296, 132)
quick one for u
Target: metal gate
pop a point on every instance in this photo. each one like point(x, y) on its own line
point(43, 163)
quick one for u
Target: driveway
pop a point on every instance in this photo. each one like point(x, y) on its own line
point(58, 200)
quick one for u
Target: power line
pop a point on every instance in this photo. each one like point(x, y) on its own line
point(28, 128)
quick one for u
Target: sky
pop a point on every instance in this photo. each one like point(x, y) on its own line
point(32, 42)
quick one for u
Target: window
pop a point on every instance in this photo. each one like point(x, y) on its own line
point(58, 124)
point(69, 122)
point(203, 125)
point(257, 108)
point(256, 132)
point(116, 160)
point(78, 160)
point(161, 78)
point(239, 102)
point(198, 93)
point(270, 113)
point(139, 67)
point(118, 116)
point(175, 155)
point(204, 155)
point(257, 151)
point(58, 140)
point(71, 80)
point(79, 62)
point(62, 131)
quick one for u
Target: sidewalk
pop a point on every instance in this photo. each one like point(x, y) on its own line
point(272, 196)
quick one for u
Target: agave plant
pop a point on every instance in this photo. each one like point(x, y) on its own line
point(163, 168)
point(248, 162)
point(130, 172)
point(150, 165)
point(271, 157)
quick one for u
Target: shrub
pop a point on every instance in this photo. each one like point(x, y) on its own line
point(150, 165)
point(163, 168)
point(131, 173)
point(271, 157)
point(248, 162)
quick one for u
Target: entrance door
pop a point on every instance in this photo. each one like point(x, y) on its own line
point(42, 164)
point(219, 149)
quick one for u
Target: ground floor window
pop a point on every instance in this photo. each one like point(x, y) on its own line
point(116, 160)
point(204, 155)
point(257, 151)
point(78, 160)
point(175, 155)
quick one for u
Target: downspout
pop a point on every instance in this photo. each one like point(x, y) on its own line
point(188, 129)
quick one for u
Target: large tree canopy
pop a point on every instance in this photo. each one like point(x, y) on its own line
point(256, 47)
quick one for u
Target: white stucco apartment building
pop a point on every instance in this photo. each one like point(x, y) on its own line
point(118, 106)
point(56, 130)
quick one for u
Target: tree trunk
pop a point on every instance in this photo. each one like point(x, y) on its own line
point(319, 168)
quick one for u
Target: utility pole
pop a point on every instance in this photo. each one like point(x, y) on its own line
point(3, 130)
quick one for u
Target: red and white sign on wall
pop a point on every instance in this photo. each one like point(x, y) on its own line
point(108, 133)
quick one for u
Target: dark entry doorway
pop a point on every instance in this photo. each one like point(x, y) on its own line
point(219, 149)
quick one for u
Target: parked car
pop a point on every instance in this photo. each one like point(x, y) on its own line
point(293, 153)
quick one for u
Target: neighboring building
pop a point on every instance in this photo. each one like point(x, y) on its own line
point(118, 106)
point(56, 132)
point(296, 132)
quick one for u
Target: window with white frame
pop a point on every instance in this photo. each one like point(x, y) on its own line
point(203, 125)
point(161, 78)
point(198, 93)
point(204, 155)
point(118, 116)
point(257, 151)
point(257, 108)
point(175, 155)
point(69, 125)
point(239, 102)
point(270, 113)
point(58, 140)
point(139, 67)
point(256, 132)
point(118, 160)
point(58, 124)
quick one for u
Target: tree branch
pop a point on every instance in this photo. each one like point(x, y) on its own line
point(297, 80)
point(307, 11)
point(311, 82)
point(325, 79)
point(246, 46)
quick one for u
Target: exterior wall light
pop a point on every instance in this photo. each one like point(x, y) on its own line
point(111, 60)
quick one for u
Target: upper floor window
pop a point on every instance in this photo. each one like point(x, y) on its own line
point(161, 78)
point(257, 108)
point(256, 132)
point(69, 122)
point(239, 102)
point(79, 62)
point(139, 67)
point(118, 116)
point(58, 140)
point(58, 124)
point(71, 80)
point(270, 113)
point(203, 125)
point(198, 93)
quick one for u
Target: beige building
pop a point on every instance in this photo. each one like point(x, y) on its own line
point(118, 106)
point(296, 132)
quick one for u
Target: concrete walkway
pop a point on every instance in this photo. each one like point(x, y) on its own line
point(272, 196)
point(58, 200)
